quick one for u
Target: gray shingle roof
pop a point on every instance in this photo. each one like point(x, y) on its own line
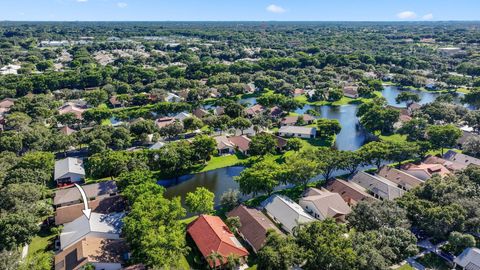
point(72, 194)
point(68, 165)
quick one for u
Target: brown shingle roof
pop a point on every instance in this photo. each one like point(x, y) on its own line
point(254, 225)
point(242, 142)
point(329, 204)
point(350, 192)
point(399, 177)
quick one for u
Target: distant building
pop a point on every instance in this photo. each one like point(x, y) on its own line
point(72, 108)
point(351, 91)
point(461, 158)
point(68, 171)
point(296, 131)
point(450, 51)
point(164, 121)
point(172, 98)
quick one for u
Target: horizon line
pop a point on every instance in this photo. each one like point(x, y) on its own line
point(164, 21)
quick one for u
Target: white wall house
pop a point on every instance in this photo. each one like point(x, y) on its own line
point(286, 212)
point(379, 186)
point(299, 132)
point(322, 204)
point(69, 170)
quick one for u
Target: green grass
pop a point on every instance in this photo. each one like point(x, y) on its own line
point(433, 261)
point(463, 90)
point(106, 122)
point(405, 267)
point(394, 138)
point(41, 243)
point(343, 101)
point(218, 162)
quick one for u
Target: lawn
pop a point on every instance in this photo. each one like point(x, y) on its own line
point(405, 267)
point(217, 162)
point(433, 261)
point(41, 243)
point(394, 138)
point(343, 101)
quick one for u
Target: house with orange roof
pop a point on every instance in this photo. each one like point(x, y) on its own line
point(211, 235)
point(72, 108)
point(425, 171)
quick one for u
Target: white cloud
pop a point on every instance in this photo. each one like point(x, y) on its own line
point(275, 9)
point(82, 1)
point(407, 15)
point(122, 5)
point(428, 16)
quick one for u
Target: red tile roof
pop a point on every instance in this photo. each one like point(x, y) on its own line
point(211, 234)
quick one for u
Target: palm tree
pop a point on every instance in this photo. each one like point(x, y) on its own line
point(213, 258)
point(233, 261)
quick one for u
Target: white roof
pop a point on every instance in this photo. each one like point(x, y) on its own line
point(157, 146)
point(380, 186)
point(181, 116)
point(110, 224)
point(298, 130)
point(68, 165)
point(286, 211)
point(469, 259)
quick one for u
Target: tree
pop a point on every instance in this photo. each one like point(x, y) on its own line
point(327, 245)
point(294, 144)
point(39, 261)
point(443, 136)
point(378, 118)
point(329, 160)
point(10, 259)
point(368, 216)
point(192, 123)
point(415, 129)
point(472, 146)
point(234, 110)
point(96, 115)
point(17, 229)
point(230, 199)
point(153, 228)
point(233, 262)
point(279, 252)
point(262, 177)
point(407, 97)
point(262, 144)
point(375, 153)
point(240, 123)
point(334, 95)
point(300, 169)
point(215, 260)
point(107, 164)
point(457, 242)
point(200, 201)
point(97, 146)
point(473, 97)
point(203, 146)
point(172, 130)
point(365, 91)
point(233, 223)
point(328, 127)
point(96, 97)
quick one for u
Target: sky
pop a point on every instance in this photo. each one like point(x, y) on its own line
point(239, 10)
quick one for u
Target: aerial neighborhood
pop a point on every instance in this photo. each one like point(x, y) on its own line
point(148, 145)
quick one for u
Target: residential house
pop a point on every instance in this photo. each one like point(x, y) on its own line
point(413, 107)
point(7, 103)
point(200, 113)
point(286, 212)
point(172, 98)
point(182, 116)
point(242, 143)
point(106, 226)
point(254, 225)
point(156, 146)
point(402, 179)
point(292, 120)
point(65, 130)
point(461, 158)
point(322, 204)
point(425, 171)
point(380, 187)
point(450, 165)
point(164, 121)
point(107, 254)
point(115, 102)
point(281, 142)
point(254, 110)
point(351, 193)
point(224, 145)
point(469, 259)
point(219, 111)
point(296, 131)
point(103, 198)
point(72, 108)
point(275, 112)
point(68, 171)
point(250, 88)
point(351, 91)
point(298, 92)
point(466, 135)
point(211, 235)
